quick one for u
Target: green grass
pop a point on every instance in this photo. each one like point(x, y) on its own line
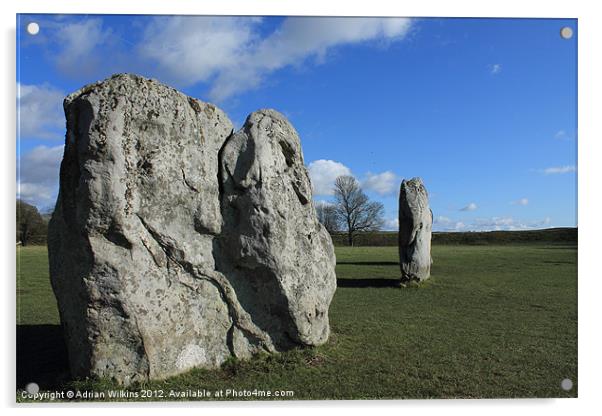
point(36, 303)
point(492, 322)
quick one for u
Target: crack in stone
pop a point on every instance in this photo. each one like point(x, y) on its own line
point(240, 318)
point(188, 184)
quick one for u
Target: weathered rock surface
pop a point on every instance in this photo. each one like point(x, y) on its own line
point(415, 226)
point(176, 243)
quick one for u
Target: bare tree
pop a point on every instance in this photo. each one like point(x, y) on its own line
point(327, 215)
point(353, 208)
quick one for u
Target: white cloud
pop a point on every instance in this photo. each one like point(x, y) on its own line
point(391, 224)
point(298, 39)
point(40, 110)
point(36, 194)
point(442, 223)
point(232, 54)
point(192, 49)
point(79, 43)
point(470, 207)
point(507, 224)
point(229, 54)
point(38, 175)
point(383, 183)
point(323, 174)
point(522, 201)
point(495, 223)
point(495, 68)
point(324, 203)
point(559, 170)
point(562, 135)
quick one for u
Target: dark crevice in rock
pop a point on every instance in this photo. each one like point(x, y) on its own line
point(220, 168)
point(201, 228)
point(79, 117)
point(196, 107)
point(288, 152)
point(153, 255)
point(116, 236)
point(187, 183)
point(230, 340)
point(167, 248)
point(302, 198)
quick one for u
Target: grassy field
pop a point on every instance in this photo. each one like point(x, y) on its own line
point(492, 322)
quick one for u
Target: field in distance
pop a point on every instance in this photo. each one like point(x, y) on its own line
point(563, 235)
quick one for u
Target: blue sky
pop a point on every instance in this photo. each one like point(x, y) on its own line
point(484, 110)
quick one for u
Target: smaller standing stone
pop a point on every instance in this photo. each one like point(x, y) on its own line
point(415, 224)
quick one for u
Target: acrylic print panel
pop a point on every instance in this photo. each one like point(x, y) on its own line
point(295, 208)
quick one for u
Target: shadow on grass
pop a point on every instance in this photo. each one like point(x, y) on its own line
point(369, 263)
point(368, 283)
point(558, 262)
point(558, 247)
point(41, 356)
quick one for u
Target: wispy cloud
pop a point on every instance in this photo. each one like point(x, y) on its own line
point(470, 207)
point(522, 201)
point(323, 203)
point(562, 135)
point(497, 223)
point(79, 42)
point(230, 55)
point(234, 56)
point(385, 183)
point(507, 224)
point(555, 170)
point(442, 223)
point(391, 224)
point(38, 175)
point(186, 50)
point(40, 110)
point(495, 69)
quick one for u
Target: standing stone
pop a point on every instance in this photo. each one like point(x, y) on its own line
point(271, 233)
point(415, 225)
point(152, 195)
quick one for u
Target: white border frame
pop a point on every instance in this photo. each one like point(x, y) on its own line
point(589, 207)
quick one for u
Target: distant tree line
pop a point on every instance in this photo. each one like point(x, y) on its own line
point(32, 227)
point(389, 238)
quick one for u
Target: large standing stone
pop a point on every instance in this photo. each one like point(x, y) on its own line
point(176, 243)
point(415, 225)
point(271, 233)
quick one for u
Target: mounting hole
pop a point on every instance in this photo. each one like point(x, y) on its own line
point(566, 384)
point(32, 388)
point(566, 32)
point(33, 28)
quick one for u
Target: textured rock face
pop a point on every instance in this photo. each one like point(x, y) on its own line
point(271, 232)
point(176, 243)
point(415, 225)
